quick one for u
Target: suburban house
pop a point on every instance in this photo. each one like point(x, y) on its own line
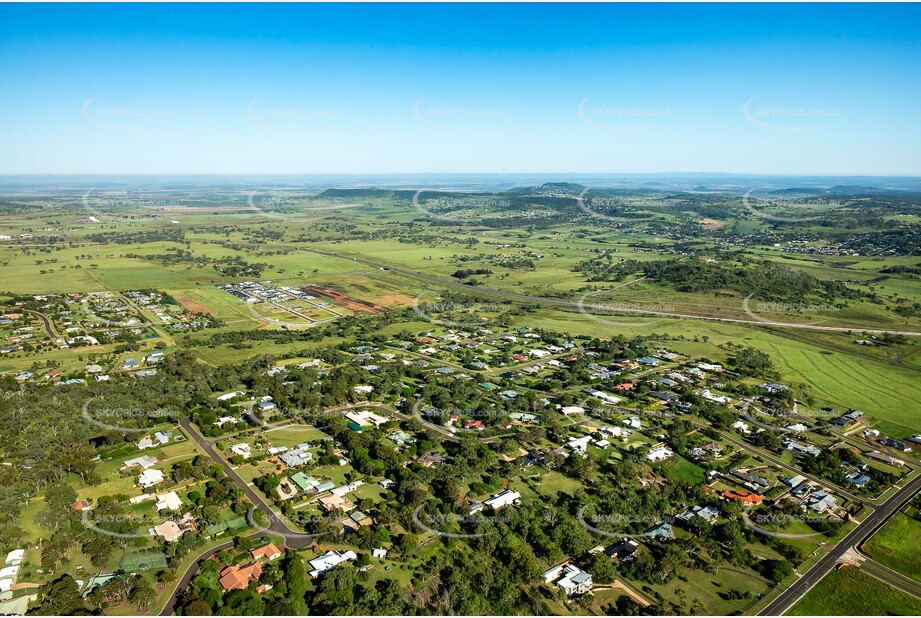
point(171, 531)
point(505, 498)
point(707, 513)
point(158, 439)
point(742, 496)
point(624, 551)
point(149, 478)
point(239, 578)
point(821, 501)
point(298, 456)
point(269, 551)
point(889, 459)
point(169, 501)
point(143, 462)
point(569, 578)
point(605, 397)
point(662, 531)
point(749, 480)
point(659, 453)
point(365, 418)
point(329, 561)
point(242, 449)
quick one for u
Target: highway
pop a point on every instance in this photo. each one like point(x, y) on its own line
point(856, 538)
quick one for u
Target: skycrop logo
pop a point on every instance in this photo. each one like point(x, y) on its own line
point(598, 203)
point(114, 206)
point(456, 119)
point(287, 527)
point(621, 119)
point(124, 119)
point(618, 525)
point(758, 521)
point(125, 419)
point(282, 205)
point(443, 207)
point(100, 207)
point(786, 119)
point(423, 412)
point(269, 204)
point(757, 207)
point(288, 118)
point(595, 311)
point(128, 525)
point(457, 314)
point(783, 307)
point(435, 523)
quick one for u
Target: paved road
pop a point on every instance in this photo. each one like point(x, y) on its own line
point(857, 536)
point(780, 462)
point(294, 539)
point(440, 429)
point(893, 578)
point(583, 306)
point(49, 327)
point(183, 584)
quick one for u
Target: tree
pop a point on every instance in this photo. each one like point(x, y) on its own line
point(60, 597)
point(196, 607)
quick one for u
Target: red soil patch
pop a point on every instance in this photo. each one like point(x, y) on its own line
point(192, 305)
point(346, 301)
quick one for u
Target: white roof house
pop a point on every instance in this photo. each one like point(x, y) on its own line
point(15, 557)
point(570, 578)
point(707, 394)
point(567, 410)
point(169, 501)
point(149, 478)
point(579, 445)
point(366, 417)
point(633, 421)
point(229, 396)
point(145, 461)
point(330, 560)
point(505, 498)
point(605, 397)
point(659, 453)
point(242, 450)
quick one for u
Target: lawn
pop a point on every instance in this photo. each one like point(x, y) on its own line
point(293, 435)
point(850, 592)
point(679, 470)
point(896, 545)
point(707, 588)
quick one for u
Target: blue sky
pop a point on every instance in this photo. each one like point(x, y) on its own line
point(290, 89)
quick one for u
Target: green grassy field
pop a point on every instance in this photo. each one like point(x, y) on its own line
point(896, 545)
point(849, 592)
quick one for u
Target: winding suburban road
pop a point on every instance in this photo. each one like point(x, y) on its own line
point(46, 321)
